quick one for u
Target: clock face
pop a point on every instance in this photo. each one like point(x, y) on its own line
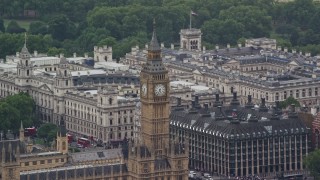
point(144, 89)
point(160, 90)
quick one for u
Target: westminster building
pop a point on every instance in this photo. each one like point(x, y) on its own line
point(239, 141)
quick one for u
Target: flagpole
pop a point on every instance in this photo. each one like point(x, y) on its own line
point(190, 20)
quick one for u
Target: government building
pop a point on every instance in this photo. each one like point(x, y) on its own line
point(239, 140)
point(151, 156)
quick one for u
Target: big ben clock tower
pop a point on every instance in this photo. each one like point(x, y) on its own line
point(154, 156)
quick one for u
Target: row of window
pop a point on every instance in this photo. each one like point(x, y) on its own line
point(41, 162)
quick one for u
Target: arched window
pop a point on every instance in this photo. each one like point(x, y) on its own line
point(64, 145)
point(27, 72)
point(65, 72)
point(106, 58)
point(110, 101)
point(26, 62)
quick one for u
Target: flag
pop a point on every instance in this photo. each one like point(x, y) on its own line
point(193, 13)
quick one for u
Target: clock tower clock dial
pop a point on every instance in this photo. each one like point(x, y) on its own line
point(160, 90)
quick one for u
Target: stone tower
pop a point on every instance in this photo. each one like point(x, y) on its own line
point(153, 156)
point(10, 159)
point(190, 39)
point(102, 54)
point(63, 82)
point(62, 138)
point(24, 68)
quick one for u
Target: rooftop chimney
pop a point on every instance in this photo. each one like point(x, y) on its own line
point(217, 102)
point(179, 106)
point(179, 101)
point(292, 112)
point(193, 109)
point(263, 107)
point(196, 99)
point(234, 101)
point(249, 104)
point(219, 114)
point(206, 112)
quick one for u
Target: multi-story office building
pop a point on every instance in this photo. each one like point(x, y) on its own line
point(240, 141)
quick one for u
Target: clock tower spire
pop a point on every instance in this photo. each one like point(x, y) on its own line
point(154, 156)
point(155, 99)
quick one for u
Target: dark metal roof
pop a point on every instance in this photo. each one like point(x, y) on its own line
point(236, 121)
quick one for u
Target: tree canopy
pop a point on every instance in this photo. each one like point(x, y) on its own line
point(16, 109)
point(48, 132)
point(289, 101)
point(77, 26)
point(312, 161)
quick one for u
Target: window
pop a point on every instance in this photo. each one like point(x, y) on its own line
point(42, 162)
point(310, 92)
point(26, 164)
point(64, 146)
point(49, 161)
point(62, 160)
point(34, 163)
point(110, 121)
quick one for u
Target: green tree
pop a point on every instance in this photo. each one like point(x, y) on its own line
point(25, 106)
point(9, 117)
point(2, 28)
point(38, 27)
point(48, 132)
point(55, 51)
point(290, 100)
point(257, 22)
point(312, 161)
point(13, 27)
point(14, 109)
point(61, 28)
point(223, 32)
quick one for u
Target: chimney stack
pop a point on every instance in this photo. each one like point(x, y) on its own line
point(234, 101)
point(179, 101)
point(217, 102)
point(196, 99)
point(263, 107)
point(249, 104)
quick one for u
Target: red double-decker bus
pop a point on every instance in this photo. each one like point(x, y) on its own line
point(70, 138)
point(30, 131)
point(84, 142)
